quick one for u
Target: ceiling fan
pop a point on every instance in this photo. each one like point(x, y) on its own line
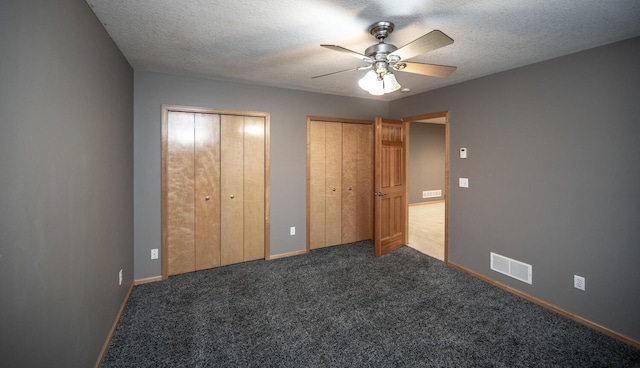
point(384, 57)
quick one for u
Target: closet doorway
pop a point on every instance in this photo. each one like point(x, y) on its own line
point(215, 188)
point(428, 179)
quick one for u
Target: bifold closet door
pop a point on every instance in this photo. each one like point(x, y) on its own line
point(325, 184)
point(254, 188)
point(357, 182)
point(231, 189)
point(333, 189)
point(207, 190)
point(317, 183)
point(193, 171)
point(215, 190)
point(180, 195)
point(242, 188)
point(340, 188)
point(364, 180)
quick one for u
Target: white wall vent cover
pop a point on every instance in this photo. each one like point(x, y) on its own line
point(431, 193)
point(510, 267)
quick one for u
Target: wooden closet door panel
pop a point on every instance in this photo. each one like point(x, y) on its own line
point(231, 189)
point(254, 188)
point(180, 197)
point(349, 181)
point(317, 185)
point(333, 189)
point(207, 190)
point(364, 195)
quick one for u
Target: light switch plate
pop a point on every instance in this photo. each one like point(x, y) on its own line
point(463, 152)
point(463, 182)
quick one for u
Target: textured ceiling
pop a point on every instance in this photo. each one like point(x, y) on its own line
point(277, 42)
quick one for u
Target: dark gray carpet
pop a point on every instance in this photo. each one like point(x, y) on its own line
point(341, 307)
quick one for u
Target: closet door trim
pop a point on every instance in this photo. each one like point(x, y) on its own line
point(338, 120)
point(166, 108)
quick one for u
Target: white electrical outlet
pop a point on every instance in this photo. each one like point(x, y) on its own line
point(120, 277)
point(154, 253)
point(579, 282)
point(292, 230)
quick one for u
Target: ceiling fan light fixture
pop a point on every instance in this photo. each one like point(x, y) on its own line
point(372, 83)
point(376, 85)
point(390, 83)
point(377, 88)
point(369, 79)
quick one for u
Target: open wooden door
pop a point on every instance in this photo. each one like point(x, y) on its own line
point(390, 190)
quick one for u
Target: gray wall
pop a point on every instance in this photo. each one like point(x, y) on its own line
point(426, 160)
point(553, 171)
point(66, 183)
point(288, 109)
point(553, 174)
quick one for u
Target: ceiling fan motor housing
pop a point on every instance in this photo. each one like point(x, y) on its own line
point(380, 49)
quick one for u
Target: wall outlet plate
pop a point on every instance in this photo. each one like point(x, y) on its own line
point(154, 253)
point(120, 277)
point(579, 282)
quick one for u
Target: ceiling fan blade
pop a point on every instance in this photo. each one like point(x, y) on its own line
point(348, 52)
point(429, 42)
point(432, 70)
point(342, 71)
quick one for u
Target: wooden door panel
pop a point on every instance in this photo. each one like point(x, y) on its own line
point(392, 208)
point(397, 154)
point(386, 168)
point(392, 231)
point(317, 184)
point(207, 190)
point(390, 185)
point(349, 181)
point(254, 188)
point(333, 188)
point(231, 189)
point(180, 237)
point(364, 194)
point(385, 211)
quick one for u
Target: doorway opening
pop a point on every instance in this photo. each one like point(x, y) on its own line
point(428, 183)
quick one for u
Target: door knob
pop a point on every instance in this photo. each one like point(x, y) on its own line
point(232, 196)
point(207, 198)
point(379, 194)
point(334, 189)
point(349, 188)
